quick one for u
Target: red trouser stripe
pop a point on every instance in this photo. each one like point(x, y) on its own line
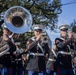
point(58, 71)
point(10, 71)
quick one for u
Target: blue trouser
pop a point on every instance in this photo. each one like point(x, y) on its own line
point(49, 72)
point(35, 73)
point(65, 71)
point(2, 71)
point(7, 71)
point(74, 70)
point(20, 71)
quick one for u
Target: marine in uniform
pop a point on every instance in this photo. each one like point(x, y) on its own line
point(64, 45)
point(74, 58)
point(18, 60)
point(38, 52)
point(5, 57)
point(50, 65)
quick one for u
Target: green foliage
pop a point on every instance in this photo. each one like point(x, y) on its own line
point(73, 26)
point(74, 29)
point(23, 38)
point(43, 12)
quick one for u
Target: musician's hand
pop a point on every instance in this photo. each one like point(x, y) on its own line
point(24, 58)
point(39, 37)
point(46, 57)
point(71, 35)
point(26, 50)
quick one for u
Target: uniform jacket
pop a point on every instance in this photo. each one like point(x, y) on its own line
point(5, 60)
point(64, 60)
point(37, 63)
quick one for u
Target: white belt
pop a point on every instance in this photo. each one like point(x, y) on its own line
point(62, 52)
point(51, 59)
point(37, 54)
point(7, 52)
point(18, 59)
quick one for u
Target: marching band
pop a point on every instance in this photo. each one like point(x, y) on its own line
point(41, 60)
point(38, 57)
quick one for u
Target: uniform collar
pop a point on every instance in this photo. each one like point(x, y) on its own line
point(63, 39)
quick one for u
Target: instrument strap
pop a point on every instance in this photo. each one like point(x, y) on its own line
point(40, 48)
point(38, 45)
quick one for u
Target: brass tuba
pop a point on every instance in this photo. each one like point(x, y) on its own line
point(18, 19)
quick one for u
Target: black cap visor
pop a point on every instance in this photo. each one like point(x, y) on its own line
point(38, 29)
point(64, 29)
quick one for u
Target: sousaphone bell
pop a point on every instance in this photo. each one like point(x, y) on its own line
point(18, 19)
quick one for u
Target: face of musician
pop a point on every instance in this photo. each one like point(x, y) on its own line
point(5, 34)
point(63, 33)
point(5, 31)
point(37, 32)
point(64, 30)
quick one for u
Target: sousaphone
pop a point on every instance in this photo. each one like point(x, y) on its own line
point(18, 19)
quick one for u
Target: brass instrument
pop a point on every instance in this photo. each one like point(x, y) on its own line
point(18, 20)
point(51, 35)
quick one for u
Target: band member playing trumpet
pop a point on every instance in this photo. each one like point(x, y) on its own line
point(64, 45)
point(38, 52)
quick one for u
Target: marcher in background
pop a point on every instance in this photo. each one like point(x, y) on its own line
point(49, 63)
point(74, 61)
point(64, 46)
point(38, 53)
point(74, 57)
point(18, 59)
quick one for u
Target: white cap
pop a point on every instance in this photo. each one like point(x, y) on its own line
point(64, 27)
point(37, 27)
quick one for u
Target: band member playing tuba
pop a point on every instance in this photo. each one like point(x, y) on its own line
point(64, 46)
point(6, 50)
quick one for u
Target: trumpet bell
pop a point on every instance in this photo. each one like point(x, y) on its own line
point(18, 19)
